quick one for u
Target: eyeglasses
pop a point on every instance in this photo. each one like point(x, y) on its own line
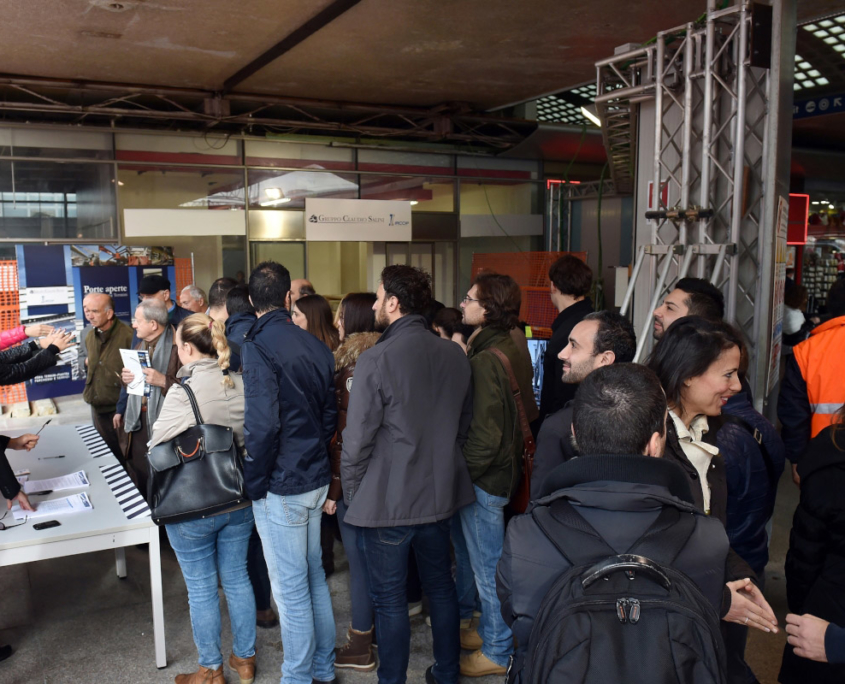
point(4, 526)
point(468, 299)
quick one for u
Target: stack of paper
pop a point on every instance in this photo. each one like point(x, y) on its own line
point(136, 360)
point(49, 509)
point(75, 480)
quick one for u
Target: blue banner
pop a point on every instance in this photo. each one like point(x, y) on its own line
point(819, 106)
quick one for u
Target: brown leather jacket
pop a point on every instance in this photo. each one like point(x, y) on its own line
point(345, 357)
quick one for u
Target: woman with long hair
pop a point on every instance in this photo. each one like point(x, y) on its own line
point(697, 362)
point(356, 323)
point(313, 314)
point(815, 563)
point(216, 546)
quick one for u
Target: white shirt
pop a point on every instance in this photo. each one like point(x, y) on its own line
point(699, 453)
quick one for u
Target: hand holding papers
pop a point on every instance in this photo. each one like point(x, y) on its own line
point(72, 504)
point(135, 360)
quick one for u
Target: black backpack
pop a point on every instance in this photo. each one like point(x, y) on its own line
point(628, 618)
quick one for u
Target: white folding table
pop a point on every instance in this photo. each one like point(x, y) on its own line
point(119, 518)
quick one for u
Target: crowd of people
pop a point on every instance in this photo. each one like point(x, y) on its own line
point(402, 420)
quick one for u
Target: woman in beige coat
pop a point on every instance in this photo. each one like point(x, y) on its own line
point(216, 545)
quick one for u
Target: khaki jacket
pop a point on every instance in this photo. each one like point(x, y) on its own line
point(218, 405)
point(102, 384)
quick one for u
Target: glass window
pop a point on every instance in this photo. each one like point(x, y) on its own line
point(299, 155)
point(175, 149)
point(64, 144)
point(387, 161)
point(56, 201)
point(145, 186)
point(270, 189)
point(487, 167)
point(289, 254)
point(424, 193)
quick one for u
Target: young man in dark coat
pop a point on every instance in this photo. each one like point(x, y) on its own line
point(619, 485)
point(403, 473)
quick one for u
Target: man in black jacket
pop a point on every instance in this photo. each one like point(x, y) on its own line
point(601, 339)
point(403, 473)
point(24, 362)
point(571, 280)
point(289, 420)
point(619, 486)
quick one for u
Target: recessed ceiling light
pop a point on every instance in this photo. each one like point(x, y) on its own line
point(814, 73)
point(821, 34)
point(805, 65)
point(837, 29)
point(822, 81)
point(826, 23)
point(831, 40)
point(797, 86)
point(840, 19)
point(839, 48)
point(810, 27)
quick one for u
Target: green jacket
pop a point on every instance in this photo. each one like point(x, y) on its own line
point(102, 384)
point(493, 450)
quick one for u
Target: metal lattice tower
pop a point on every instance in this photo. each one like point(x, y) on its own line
point(713, 218)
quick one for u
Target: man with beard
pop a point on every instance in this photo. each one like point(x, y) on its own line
point(691, 297)
point(601, 339)
point(402, 470)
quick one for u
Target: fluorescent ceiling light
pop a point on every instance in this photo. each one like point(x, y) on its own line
point(591, 115)
point(273, 193)
point(414, 202)
point(275, 202)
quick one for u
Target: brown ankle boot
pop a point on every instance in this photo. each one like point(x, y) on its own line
point(357, 653)
point(245, 667)
point(202, 676)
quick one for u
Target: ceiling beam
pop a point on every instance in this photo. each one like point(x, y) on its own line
point(308, 29)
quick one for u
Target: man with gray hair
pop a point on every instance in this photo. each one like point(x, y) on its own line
point(139, 413)
point(193, 299)
point(103, 342)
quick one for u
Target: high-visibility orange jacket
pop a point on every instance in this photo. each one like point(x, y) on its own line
point(821, 359)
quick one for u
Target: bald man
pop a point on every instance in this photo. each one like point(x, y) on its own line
point(103, 343)
point(299, 288)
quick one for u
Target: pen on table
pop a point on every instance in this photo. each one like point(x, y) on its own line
point(44, 493)
point(43, 426)
point(44, 458)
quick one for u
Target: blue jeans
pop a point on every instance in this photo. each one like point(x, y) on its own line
point(483, 524)
point(386, 550)
point(468, 601)
point(359, 592)
point(204, 549)
point(290, 533)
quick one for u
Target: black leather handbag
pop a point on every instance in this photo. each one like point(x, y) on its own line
point(197, 474)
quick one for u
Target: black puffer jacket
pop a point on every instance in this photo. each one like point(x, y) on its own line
point(815, 564)
point(22, 363)
point(620, 497)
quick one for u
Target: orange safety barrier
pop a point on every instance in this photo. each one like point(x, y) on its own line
point(184, 276)
point(10, 317)
point(531, 272)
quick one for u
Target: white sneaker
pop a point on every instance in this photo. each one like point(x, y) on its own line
point(414, 608)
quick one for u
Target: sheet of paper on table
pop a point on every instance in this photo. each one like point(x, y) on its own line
point(75, 503)
point(57, 484)
point(135, 360)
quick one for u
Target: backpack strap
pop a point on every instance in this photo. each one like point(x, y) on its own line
point(666, 537)
point(570, 533)
point(758, 437)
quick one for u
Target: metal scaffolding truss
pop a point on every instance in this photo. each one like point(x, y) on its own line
point(559, 198)
point(709, 210)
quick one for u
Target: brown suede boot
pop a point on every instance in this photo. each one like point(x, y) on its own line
point(245, 667)
point(357, 653)
point(202, 676)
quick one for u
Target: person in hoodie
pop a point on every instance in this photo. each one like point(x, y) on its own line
point(356, 325)
point(815, 563)
point(620, 484)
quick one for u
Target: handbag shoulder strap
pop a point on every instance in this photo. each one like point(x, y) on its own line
point(193, 399)
point(527, 437)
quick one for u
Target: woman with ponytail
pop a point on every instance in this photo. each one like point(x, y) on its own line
point(217, 545)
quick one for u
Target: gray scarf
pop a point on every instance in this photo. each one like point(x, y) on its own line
point(160, 361)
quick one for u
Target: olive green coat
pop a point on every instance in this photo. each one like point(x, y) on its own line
point(102, 384)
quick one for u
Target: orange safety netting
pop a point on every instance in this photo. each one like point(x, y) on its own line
point(184, 275)
point(531, 272)
point(10, 317)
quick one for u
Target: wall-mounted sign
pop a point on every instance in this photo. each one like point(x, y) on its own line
point(819, 106)
point(357, 220)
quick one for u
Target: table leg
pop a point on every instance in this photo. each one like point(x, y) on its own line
point(120, 561)
point(157, 598)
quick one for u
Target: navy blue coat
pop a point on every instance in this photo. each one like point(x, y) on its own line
point(237, 326)
point(291, 411)
point(794, 411)
point(751, 498)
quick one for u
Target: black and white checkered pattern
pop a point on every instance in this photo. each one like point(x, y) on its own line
point(125, 491)
point(96, 446)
